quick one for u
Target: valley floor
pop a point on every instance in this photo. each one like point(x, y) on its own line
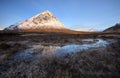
point(36, 55)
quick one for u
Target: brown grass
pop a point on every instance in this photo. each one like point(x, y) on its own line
point(7, 50)
point(49, 30)
point(95, 63)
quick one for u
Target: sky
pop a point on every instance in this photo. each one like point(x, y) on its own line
point(74, 14)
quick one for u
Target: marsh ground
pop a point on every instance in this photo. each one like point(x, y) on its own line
point(100, 62)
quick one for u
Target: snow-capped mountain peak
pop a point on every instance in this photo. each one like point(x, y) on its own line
point(44, 20)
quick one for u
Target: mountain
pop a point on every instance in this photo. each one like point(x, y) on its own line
point(85, 29)
point(1, 28)
point(43, 21)
point(115, 28)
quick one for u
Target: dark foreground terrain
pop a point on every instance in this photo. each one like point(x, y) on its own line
point(102, 62)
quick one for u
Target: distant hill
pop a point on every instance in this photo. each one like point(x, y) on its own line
point(115, 28)
point(85, 29)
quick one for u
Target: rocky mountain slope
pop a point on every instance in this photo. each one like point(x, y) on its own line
point(115, 28)
point(45, 20)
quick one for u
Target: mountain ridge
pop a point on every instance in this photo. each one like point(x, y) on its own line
point(115, 28)
point(42, 20)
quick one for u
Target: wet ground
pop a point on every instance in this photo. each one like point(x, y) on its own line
point(59, 56)
point(36, 51)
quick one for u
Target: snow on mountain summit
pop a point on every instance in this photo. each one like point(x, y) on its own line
point(43, 20)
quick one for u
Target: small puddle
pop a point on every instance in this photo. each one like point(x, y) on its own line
point(36, 51)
